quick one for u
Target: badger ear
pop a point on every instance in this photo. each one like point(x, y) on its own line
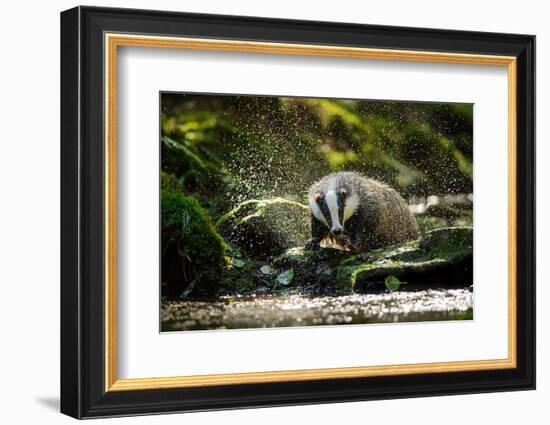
point(318, 196)
point(343, 193)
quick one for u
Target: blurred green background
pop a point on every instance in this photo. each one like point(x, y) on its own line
point(226, 149)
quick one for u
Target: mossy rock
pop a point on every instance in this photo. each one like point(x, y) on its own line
point(443, 258)
point(169, 182)
point(448, 242)
point(192, 251)
point(438, 216)
point(266, 227)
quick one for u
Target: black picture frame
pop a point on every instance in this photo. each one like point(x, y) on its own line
point(83, 392)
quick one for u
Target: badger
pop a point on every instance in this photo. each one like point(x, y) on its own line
point(358, 214)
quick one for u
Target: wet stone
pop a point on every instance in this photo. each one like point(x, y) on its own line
point(266, 227)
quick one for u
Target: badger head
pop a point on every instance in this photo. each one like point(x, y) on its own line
point(333, 208)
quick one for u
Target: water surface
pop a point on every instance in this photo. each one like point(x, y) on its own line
point(301, 310)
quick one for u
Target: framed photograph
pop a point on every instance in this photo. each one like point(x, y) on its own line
point(261, 212)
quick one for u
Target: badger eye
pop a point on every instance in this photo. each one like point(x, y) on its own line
point(343, 193)
point(318, 196)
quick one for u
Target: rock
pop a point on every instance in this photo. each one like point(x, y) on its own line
point(311, 267)
point(266, 227)
point(448, 242)
point(443, 258)
point(444, 211)
point(192, 250)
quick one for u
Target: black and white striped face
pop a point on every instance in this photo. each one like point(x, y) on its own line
point(333, 209)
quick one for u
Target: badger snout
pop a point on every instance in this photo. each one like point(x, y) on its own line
point(337, 230)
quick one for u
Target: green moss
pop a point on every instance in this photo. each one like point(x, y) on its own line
point(238, 279)
point(266, 227)
point(169, 182)
point(448, 242)
point(247, 210)
point(442, 259)
point(193, 252)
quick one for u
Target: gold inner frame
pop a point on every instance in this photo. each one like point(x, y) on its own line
point(113, 41)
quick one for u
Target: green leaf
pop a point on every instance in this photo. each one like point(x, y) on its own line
point(234, 251)
point(266, 269)
point(392, 283)
point(238, 263)
point(285, 277)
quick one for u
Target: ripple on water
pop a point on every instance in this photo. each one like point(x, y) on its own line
point(300, 310)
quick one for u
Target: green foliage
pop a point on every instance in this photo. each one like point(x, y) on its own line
point(239, 276)
point(169, 182)
point(408, 145)
point(228, 149)
point(238, 263)
point(392, 283)
point(193, 252)
point(284, 278)
point(266, 269)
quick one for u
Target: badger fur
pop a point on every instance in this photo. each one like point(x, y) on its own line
point(357, 213)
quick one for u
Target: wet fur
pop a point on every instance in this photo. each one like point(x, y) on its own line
point(380, 217)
